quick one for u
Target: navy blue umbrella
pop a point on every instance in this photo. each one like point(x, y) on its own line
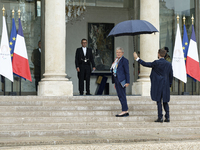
point(132, 27)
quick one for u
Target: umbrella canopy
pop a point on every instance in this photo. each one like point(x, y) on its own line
point(132, 27)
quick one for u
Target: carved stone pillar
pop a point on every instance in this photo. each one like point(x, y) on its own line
point(55, 82)
point(149, 45)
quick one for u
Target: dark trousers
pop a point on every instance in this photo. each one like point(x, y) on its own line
point(121, 92)
point(37, 79)
point(84, 73)
point(166, 108)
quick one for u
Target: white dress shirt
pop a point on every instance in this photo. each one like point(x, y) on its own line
point(84, 50)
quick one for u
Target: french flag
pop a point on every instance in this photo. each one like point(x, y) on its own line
point(20, 58)
point(192, 61)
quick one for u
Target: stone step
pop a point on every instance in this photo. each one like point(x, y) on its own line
point(131, 97)
point(84, 143)
point(102, 132)
point(116, 102)
point(92, 98)
point(21, 103)
point(91, 113)
point(92, 102)
point(66, 98)
point(78, 102)
point(33, 120)
point(94, 108)
point(81, 142)
point(95, 125)
point(77, 119)
point(63, 102)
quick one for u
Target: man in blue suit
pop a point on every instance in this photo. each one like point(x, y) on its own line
point(161, 80)
point(120, 70)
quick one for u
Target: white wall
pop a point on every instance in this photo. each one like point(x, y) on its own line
point(78, 30)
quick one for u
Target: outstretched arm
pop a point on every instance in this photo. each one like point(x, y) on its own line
point(143, 63)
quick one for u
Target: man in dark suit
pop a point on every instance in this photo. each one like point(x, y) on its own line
point(161, 80)
point(83, 61)
point(36, 60)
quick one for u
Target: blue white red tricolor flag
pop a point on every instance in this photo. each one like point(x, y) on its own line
point(5, 59)
point(192, 63)
point(20, 58)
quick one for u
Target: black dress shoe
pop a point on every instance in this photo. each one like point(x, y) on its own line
point(124, 115)
point(167, 120)
point(88, 94)
point(159, 120)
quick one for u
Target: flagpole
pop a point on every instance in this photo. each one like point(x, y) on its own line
point(184, 93)
point(20, 85)
point(184, 83)
point(178, 79)
point(3, 78)
point(192, 20)
point(13, 13)
point(3, 9)
point(192, 25)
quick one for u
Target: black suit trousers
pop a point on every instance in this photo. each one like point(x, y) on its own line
point(121, 93)
point(85, 72)
point(166, 108)
point(37, 79)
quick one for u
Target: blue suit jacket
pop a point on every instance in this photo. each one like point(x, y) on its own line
point(161, 78)
point(123, 70)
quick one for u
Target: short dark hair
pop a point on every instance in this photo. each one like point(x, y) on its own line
point(162, 52)
point(83, 40)
point(167, 49)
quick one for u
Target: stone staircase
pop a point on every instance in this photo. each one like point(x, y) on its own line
point(32, 120)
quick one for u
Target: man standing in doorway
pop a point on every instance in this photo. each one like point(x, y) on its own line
point(83, 61)
point(36, 60)
point(161, 80)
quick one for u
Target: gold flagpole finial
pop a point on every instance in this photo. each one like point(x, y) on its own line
point(192, 20)
point(19, 11)
point(13, 13)
point(184, 19)
point(177, 19)
point(3, 9)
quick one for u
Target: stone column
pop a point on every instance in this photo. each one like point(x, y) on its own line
point(149, 45)
point(197, 31)
point(55, 82)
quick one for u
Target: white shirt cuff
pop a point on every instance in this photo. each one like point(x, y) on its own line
point(137, 59)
